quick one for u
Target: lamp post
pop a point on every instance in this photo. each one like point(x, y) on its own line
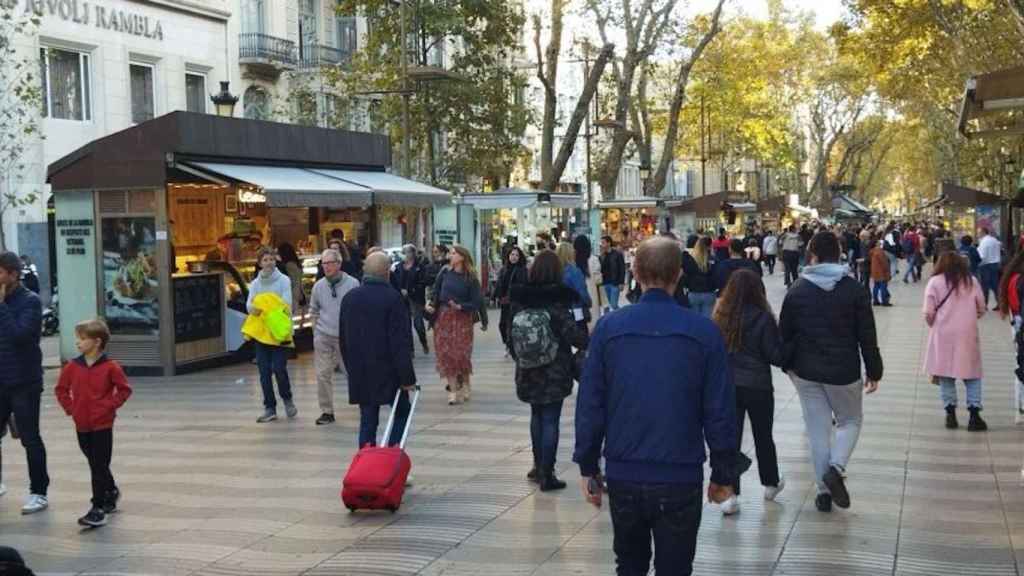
point(224, 102)
point(645, 175)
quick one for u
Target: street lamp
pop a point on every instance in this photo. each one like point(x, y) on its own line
point(225, 101)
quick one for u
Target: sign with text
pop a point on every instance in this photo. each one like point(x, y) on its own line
point(74, 235)
point(76, 263)
point(98, 15)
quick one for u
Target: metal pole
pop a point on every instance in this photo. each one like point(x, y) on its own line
point(586, 76)
point(703, 152)
point(406, 164)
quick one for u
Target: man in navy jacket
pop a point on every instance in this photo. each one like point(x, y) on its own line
point(376, 346)
point(655, 388)
point(21, 373)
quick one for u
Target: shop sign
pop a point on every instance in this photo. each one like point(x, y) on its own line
point(446, 237)
point(103, 17)
point(75, 234)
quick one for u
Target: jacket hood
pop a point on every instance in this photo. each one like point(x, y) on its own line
point(275, 276)
point(531, 295)
point(80, 360)
point(825, 276)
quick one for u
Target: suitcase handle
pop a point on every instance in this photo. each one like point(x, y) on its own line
point(408, 422)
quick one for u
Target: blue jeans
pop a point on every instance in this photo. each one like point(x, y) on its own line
point(612, 292)
point(369, 420)
point(273, 361)
point(670, 511)
point(544, 421)
point(989, 277)
point(702, 303)
point(880, 293)
point(947, 390)
point(894, 264)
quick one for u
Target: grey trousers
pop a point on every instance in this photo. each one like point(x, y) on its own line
point(820, 403)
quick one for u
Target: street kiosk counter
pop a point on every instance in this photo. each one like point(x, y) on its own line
point(158, 226)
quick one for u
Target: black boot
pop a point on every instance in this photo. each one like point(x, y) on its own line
point(951, 422)
point(976, 424)
point(548, 482)
point(532, 475)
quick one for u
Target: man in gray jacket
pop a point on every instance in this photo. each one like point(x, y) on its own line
point(325, 308)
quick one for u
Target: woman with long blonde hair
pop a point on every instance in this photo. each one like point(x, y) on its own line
point(573, 277)
point(700, 287)
point(457, 304)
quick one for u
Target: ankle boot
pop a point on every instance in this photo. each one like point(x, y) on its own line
point(951, 422)
point(976, 424)
point(533, 474)
point(548, 482)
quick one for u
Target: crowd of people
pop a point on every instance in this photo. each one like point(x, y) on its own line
point(684, 366)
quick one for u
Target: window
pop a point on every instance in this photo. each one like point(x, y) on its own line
point(65, 77)
point(252, 17)
point(307, 30)
point(142, 92)
point(347, 35)
point(195, 92)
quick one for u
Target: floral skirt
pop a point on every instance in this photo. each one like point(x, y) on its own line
point(453, 342)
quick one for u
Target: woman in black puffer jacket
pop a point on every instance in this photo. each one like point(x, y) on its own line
point(754, 345)
point(545, 387)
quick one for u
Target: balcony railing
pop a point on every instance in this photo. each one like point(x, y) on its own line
point(254, 47)
point(317, 55)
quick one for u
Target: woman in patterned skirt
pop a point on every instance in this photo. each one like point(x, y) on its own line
point(456, 304)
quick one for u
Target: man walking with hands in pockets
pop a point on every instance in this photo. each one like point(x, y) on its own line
point(655, 388)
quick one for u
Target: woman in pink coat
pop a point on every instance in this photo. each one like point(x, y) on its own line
point(952, 305)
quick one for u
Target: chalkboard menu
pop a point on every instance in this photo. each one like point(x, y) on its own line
point(197, 307)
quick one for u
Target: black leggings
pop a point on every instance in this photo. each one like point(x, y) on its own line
point(760, 405)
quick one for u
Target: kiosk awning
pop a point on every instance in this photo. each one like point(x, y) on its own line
point(287, 187)
point(390, 189)
point(511, 198)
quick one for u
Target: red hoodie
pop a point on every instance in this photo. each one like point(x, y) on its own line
point(91, 395)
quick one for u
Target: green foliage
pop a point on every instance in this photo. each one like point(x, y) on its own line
point(479, 114)
point(20, 105)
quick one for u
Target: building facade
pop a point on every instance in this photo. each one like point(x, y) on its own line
point(106, 65)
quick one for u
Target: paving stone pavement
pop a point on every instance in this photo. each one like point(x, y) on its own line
point(209, 492)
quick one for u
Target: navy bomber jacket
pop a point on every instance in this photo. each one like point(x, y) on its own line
point(21, 359)
point(656, 387)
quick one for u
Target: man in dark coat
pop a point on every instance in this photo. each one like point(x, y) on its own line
point(377, 349)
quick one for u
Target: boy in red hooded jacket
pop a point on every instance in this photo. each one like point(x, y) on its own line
point(91, 388)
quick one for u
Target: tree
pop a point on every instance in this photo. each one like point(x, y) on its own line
point(479, 110)
point(20, 103)
point(1017, 7)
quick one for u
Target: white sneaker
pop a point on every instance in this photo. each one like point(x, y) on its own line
point(730, 506)
point(3, 489)
point(1018, 418)
point(35, 503)
point(408, 481)
point(770, 492)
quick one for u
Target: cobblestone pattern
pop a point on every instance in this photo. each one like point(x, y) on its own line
point(209, 492)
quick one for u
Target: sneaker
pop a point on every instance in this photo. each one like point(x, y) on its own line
point(290, 409)
point(112, 498)
point(93, 519)
point(1018, 419)
point(268, 416)
point(325, 418)
point(3, 489)
point(833, 479)
point(35, 503)
point(453, 398)
point(730, 506)
point(408, 481)
point(770, 492)
point(823, 502)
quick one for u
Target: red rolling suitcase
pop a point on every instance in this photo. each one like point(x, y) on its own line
point(377, 475)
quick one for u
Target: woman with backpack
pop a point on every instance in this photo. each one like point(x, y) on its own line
point(457, 304)
point(543, 336)
point(1011, 291)
point(513, 273)
point(754, 344)
point(952, 305)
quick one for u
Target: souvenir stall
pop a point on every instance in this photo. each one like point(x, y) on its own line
point(966, 210)
point(631, 221)
point(167, 217)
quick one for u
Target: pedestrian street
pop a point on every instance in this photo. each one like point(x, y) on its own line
point(208, 491)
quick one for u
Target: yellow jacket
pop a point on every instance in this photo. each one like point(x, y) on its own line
point(274, 324)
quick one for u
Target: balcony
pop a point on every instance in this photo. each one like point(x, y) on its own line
point(265, 53)
point(316, 56)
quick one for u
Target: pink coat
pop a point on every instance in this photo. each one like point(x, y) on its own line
point(954, 350)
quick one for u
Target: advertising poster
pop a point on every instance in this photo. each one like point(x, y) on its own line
point(990, 217)
point(130, 275)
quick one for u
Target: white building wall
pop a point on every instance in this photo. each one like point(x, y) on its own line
point(196, 36)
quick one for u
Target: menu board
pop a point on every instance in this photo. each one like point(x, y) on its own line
point(197, 307)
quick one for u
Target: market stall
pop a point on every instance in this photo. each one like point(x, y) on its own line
point(966, 210)
point(167, 217)
point(631, 221)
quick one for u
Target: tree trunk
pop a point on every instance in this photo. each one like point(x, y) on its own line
point(679, 97)
point(579, 115)
point(547, 72)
